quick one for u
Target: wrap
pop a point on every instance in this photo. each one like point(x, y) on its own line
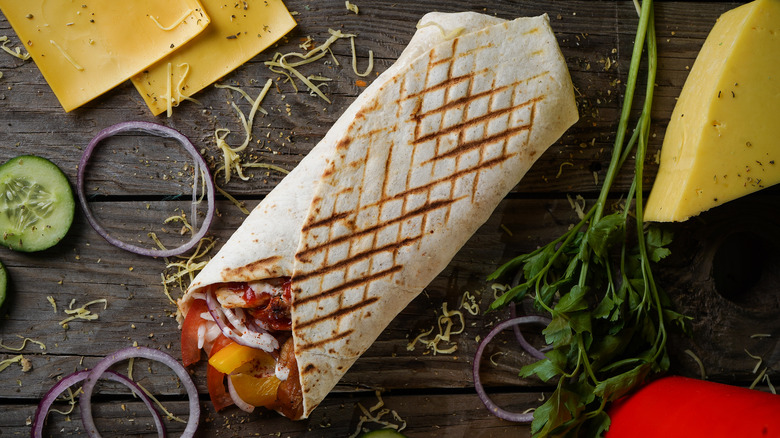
point(401, 181)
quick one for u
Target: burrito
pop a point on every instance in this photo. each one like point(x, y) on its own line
point(376, 210)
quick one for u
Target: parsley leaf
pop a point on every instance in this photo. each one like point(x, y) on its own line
point(609, 319)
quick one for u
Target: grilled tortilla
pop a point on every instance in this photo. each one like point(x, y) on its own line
point(402, 180)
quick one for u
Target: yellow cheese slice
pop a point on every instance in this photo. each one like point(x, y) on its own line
point(87, 47)
point(723, 140)
point(239, 30)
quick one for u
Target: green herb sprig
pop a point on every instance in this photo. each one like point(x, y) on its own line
point(609, 318)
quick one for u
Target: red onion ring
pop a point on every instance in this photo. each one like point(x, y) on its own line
point(85, 401)
point(492, 407)
point(160, 131)
point(51, 396)
point(525, 345)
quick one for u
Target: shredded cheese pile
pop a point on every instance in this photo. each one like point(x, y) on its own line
point(82, 313)
point(181, 272)
point(230, 156)
point(375, 415)
point(281, 65)
point(763, 374)
point(16, 52)
point(468, 302)
point(444, 322)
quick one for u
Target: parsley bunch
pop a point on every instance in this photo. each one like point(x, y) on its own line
point(609, 318)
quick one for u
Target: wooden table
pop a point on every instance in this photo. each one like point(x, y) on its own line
point(723, 271)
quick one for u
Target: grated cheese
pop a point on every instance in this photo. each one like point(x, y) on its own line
point(7, 362)
point(71, 397)
point(447, 35)
point(279, 63)
point(444, 323)
point(50, 299)
point(180, 86)
point(231, 159)
point(351, 7)
point(354, 60)
point(186, 267)
point(577, 204)
point(67, 57)
point(498, 289)
point(560, 168)
point(82, 313)
point(398, 424)
point(469, 303)
point(175, 23)
point(16, 52)
point(24, 344)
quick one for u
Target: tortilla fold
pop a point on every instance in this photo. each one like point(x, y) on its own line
point(402, 180)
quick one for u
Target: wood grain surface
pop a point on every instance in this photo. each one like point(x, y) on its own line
point(723, 271)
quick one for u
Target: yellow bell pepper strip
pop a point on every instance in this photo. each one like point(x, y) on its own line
point(256, 391)
point(234, 355)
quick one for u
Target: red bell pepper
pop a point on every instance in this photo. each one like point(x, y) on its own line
point(692, 408)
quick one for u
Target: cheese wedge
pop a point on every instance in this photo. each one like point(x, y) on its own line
point(86, 48)
point(723, 140)
point(238, 31)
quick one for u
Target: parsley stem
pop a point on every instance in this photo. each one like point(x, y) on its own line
point(625, 114)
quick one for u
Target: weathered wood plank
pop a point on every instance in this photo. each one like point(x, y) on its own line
point(339, 415)
point(135, 183)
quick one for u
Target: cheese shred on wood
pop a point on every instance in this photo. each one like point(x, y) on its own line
point(82, 313)
point(444, 322)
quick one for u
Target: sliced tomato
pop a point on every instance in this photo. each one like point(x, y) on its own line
point(190, 353)
point(215, 380)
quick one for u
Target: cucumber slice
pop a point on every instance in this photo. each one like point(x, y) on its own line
point(3, 283)
point(383, 433)
point(36, 202)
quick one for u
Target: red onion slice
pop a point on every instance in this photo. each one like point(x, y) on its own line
point(530, 349)
point(85, 401)
point(245, 336)
point(240, 403)
point(492, 407)
point(160, 131)
point(51, 396)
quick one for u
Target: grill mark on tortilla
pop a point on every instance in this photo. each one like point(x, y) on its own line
point(327, 221)
point(449, 82)
point(304, 253)
point(486, 118)
point(322, 342)
point(471, 97)
point(479, 143)
point(423, 210)
point(346, 285)
point(356, 257)
point(251, 267)
point(338, 314)
point(459, 150)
